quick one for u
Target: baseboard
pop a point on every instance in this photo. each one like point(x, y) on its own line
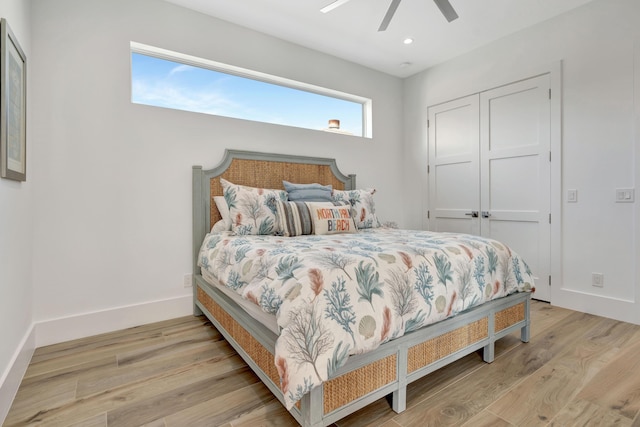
point(598, 305)
point(11, 378)
point(83, 325)
point(58, 330)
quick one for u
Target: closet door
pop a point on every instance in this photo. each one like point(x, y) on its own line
point(516, 172)
point(454, 198)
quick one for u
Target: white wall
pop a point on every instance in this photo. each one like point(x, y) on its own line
point(599, 46)
point(113, 224)
point(99, 237)
point(16, 214)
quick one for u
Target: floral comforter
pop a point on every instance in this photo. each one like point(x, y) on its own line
point(348, 293)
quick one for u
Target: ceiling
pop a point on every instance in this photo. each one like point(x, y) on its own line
point(351, 30)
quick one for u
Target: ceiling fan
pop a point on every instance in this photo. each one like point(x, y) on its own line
point(444, 6)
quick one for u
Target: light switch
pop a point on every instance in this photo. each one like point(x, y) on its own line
point(625, 195)
point(572, 196)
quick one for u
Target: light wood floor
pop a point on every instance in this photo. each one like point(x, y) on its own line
point(578, 369)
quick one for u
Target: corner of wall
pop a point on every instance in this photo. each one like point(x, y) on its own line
point(83, 325)
point(12, 377)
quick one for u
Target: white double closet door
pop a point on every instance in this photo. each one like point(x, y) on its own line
point(489, 170)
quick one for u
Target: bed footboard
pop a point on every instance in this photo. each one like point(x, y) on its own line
point(387, 370)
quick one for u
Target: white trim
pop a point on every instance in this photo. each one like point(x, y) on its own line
point(62, 329)
point(636, 168)
point(593, 295)
point(11, 378)
point(615, 308)
point(83, 325)
point(555, 70)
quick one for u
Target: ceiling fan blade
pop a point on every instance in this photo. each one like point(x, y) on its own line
point(333, 5)
point(446, 9)
point(387, 17)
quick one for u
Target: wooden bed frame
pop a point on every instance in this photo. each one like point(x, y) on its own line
point(388, 369)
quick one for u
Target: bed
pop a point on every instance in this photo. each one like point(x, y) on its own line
point(367, 355)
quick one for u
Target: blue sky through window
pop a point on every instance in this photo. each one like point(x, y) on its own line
point(163, 83)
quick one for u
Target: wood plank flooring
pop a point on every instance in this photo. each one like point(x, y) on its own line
point(578, 369)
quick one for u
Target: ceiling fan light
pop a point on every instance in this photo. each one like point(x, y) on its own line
point(447, 10)
point(389, 15)
point(333, 5)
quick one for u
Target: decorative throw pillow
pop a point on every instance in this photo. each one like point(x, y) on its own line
point(294, 218)
point(308, 192)
point(223, 208)
point(331, 219)
point(363, 205)
point(252, 210)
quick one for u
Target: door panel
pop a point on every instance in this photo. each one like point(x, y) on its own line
point(522, 192)
point(454, 130)
point(453, 191)
point(516, 171)
point(454, 166)
point(510, 116)
point(489, 153)
point(450, 222)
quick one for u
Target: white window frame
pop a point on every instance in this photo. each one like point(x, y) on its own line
point(169, 55)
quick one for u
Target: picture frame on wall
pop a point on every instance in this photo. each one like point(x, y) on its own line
point(13, 106)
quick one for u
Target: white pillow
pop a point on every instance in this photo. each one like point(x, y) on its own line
point(223, 208)
point(252, 210)
point(362, 203)
point(219, 227)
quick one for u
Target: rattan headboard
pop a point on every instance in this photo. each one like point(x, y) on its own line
point(270, 174)
point(254, 169)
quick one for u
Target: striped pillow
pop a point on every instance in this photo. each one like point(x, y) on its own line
point(294, 218)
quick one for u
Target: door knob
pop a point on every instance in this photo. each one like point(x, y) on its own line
point(472, 214)
point(486, 214)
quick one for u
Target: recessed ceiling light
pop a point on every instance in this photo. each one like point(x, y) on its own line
point(408, 40)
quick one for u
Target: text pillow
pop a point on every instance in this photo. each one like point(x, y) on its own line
point(331, 219)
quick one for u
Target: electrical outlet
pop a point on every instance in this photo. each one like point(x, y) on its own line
point(597, 280)
point(625, 195)
point(188, 280)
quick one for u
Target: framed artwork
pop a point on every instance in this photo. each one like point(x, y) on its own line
point(13, 106)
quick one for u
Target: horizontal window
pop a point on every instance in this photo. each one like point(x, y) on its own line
point(168, 79)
